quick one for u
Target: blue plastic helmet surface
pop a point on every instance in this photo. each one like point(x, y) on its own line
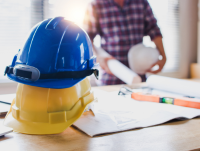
point(55, 45)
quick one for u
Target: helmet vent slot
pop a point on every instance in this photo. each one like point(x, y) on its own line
point(53, 23)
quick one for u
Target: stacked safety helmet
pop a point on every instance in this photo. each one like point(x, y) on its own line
point(51, 68)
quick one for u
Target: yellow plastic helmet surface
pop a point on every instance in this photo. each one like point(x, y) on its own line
point(37, 110)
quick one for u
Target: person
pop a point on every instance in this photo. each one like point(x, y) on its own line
point(121, 25)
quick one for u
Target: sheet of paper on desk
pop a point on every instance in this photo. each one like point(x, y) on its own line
point(116, 113)
point(4, 108)
point(8, 98)
point(5, 101)
point(5, 130)
point(178, 86)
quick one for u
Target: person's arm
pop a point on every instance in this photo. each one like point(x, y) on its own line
point(152, 30)
point(159, 45)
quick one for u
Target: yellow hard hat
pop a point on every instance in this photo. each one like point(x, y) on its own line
point(37, 110)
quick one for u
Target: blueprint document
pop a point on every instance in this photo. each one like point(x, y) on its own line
point(113, 113)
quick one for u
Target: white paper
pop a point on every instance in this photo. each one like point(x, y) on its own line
point(116, 113)
point(179, 86)
point(5, 130)
point(7, 97)
point(4, 108)
point(121, 71)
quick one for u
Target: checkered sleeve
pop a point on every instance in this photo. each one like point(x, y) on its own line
point(91, 24)
point(150, 23)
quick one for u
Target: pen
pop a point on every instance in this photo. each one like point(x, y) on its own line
point(5, 102)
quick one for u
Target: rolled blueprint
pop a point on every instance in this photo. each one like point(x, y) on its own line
point(123, 72)
point(102, 52)
point(183, 87)
point(120, 70)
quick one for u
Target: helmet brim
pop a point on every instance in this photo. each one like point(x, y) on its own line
point(28, 127)
point(48, 83)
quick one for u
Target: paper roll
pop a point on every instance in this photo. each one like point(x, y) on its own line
point(123, 72)
point(120, 70)
point(101, 52)
point(179, 86)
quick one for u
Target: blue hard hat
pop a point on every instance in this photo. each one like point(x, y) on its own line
point(57, 54)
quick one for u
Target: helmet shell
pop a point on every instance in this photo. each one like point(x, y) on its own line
point(47, 111)
point(56, 45)
point(142, 58)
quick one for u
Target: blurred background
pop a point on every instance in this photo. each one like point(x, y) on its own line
point(178, 20)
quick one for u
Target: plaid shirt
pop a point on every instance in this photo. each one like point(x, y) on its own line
point(120, 28)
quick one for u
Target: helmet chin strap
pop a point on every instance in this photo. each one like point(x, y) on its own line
point(70, 74)
point(59, 75)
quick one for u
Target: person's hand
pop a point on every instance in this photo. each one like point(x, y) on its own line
point(160, 64)
point(102, 60)
point(137, 79)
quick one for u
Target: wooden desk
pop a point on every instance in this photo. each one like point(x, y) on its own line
point(176, 136)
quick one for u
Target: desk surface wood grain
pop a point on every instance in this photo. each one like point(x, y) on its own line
point(174, 136)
